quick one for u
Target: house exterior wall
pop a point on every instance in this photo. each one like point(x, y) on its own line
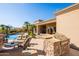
point(68, 24)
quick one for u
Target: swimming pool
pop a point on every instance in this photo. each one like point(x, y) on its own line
point(12, 37)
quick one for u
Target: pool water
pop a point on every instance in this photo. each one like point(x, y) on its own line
point(12, 37)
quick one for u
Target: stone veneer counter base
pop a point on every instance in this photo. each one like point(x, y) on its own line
point(57, 46)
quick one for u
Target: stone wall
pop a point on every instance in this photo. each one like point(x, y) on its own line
point(56, 46)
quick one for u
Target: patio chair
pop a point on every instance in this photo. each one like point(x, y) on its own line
point(25, 44)
point(24, 37)
point(19, 37)
point(15, 51)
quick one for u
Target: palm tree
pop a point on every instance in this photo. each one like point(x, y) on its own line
point(31, 30)
point(26, 25)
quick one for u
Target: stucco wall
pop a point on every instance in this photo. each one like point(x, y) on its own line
point(68, 24)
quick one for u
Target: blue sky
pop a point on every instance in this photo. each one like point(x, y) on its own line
point(17, 14)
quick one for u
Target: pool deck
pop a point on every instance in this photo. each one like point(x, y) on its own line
point(35, 49)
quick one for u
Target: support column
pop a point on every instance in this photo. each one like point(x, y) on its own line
point(37, 30)
point(46, 29)
point(34, 30)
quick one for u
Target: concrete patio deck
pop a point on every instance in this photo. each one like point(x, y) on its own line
point(36, 49)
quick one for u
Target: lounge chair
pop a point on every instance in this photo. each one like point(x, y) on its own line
point(25, 44)
point(22, 36)
point(16, 50)
point(19, 37)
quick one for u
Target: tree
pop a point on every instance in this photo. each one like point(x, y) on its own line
point(26, 25)
point(7, 29)
point(32, 27)
point(3, 27)
point(31, 30)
